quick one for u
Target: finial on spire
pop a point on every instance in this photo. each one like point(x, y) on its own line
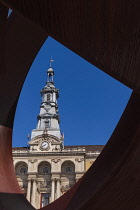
point(51, 62)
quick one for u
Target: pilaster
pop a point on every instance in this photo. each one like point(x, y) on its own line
point(79, 165)
point(29, 190)
point(33, 197)
point(56, 165)
point(58, 193)
point(53, 190)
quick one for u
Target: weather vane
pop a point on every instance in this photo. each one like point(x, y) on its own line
point(51, 62)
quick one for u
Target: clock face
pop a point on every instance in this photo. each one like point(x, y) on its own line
point(44, 145)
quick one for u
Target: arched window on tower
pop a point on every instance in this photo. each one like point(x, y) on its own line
point(48, 97)
point(47, 123)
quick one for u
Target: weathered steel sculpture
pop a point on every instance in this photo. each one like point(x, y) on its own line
point(106, 33)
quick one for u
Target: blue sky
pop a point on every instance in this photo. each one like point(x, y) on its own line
point(90, 103)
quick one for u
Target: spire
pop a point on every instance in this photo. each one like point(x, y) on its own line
point(51, 62)
point(50, 72)
point(48, 118)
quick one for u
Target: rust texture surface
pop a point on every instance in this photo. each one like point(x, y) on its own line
point(105, 33)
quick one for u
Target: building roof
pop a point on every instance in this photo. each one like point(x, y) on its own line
point(19, 148)
point(88, 148)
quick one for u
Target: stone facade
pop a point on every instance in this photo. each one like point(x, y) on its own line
point(46, 175)
point(46, 169)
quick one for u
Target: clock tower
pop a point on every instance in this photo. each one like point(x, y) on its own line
point(46, 169)
point(48, 117)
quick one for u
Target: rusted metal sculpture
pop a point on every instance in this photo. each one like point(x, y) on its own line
point(106, 33)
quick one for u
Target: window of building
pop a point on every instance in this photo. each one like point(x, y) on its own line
point(47, 123)
point(45, 199)
point(48, 97)
point(23, 170)
point(46, 170)
point(69, 169)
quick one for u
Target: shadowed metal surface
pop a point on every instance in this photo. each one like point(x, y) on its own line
point(106, 33)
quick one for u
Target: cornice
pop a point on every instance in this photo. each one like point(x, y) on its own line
point(92, 156)
point(48, 154)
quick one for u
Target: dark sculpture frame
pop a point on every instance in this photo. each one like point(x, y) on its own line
point(105, 33)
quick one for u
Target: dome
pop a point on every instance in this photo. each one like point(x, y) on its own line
point(50, 71)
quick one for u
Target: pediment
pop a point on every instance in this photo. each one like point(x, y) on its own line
point(50, 138)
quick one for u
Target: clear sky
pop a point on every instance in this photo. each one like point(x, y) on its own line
point(90, 103)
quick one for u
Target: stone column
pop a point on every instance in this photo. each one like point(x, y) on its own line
point(82, 165)
point(76, 165)
point(54, 97)
point(58, 188)
point(33, 193)
point(29, 190)
point(59, 165)
point(52, 190)
point(79, 164)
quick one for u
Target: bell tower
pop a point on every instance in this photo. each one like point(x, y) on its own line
point(48, 117)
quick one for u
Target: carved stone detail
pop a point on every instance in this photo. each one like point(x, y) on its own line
point(65, 188)
point(33, 161)
point(44, 184)
point(79, 159)
point(56, 160)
